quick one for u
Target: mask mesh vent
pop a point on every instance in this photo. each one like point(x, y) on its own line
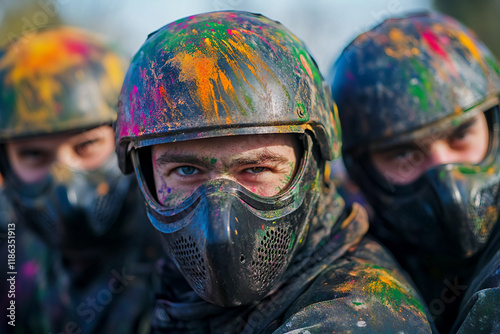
point(270, 257)
point(191, 262)
point(41, 221)
point(103, 212)
point(484, 213)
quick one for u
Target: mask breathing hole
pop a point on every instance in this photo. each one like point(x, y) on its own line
point(270, 257)
point(192, 263)
point(242, 259)
point(102, 212)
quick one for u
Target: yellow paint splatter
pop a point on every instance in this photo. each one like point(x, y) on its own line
point(49, 61)
point(471, 46)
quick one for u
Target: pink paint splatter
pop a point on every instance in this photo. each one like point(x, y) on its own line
point(29, 269)
point(77, 47)
point(143, 73)
point(434, 43)
point(134, 105)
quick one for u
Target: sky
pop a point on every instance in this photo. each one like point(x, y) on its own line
point(325, 26)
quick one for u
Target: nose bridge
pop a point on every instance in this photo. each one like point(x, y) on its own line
point(61, 172)
point(440, 153)
point(216, 211)
point(62, 153)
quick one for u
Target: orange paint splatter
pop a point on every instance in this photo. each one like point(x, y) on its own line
point(205, 73)
point(471, 46)
point(404, 46)
point(211, 81)
point(168, 101)
point(48, 61)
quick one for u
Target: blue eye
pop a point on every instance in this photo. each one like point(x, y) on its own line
point(187, 170)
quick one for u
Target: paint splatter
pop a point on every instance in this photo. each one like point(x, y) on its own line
point(64, 75)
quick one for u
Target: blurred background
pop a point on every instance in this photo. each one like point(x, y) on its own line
point(326, 26)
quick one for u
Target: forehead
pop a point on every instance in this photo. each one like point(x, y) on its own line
point(229, 145)
point(432, 132)
point(46, 142)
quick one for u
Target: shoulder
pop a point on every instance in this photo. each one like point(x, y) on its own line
point(363, 290)
point(479, 312)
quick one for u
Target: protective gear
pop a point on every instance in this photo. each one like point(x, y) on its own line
point(73, 209)
point(220, 74)
point(409, 78)
point(257, 236)
point(325, 291)
point(62, 80)
point(57, 84)
point(483, 295)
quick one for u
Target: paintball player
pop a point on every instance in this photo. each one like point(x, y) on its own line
point(228, 125)
point(58, 92)
point(418, 103)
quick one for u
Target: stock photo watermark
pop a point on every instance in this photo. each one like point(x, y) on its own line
point(11, 273)
point(449, 294)
point(31, 24)
point(89, 309)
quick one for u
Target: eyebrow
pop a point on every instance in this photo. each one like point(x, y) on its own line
point(464, 126)
point(168, 157)
point(414, 144)
point(258, 159)
point(30, 150)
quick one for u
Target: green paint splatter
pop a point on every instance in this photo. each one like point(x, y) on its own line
point(472, 169)
point(209, 160)
point(493, 64)
point(389, 290)
point(292, 241)
point(301, 109)
point(423, 89)
point(248, 101)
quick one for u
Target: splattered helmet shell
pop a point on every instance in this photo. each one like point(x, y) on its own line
point(223, 74)
point(62, 80)
point(409, 78)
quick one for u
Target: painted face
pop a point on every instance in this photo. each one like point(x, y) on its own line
point(31, 159)
point(264, 165)
point(404, 163)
